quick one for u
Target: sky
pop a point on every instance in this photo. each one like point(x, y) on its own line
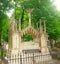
point(57, 4)
point(10, 12)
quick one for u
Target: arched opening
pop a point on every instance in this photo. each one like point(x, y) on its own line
point(27, 37)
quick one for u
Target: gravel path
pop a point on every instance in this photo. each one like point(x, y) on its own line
point(50, 62)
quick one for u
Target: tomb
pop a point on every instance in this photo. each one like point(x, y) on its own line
point(16, 45)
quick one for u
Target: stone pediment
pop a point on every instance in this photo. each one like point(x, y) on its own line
point(30, 30)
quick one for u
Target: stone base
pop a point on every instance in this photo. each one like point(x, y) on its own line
point(14, 51)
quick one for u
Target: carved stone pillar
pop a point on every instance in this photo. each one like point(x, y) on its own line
point(40, 32)
point(13, 35)
point(19, 29)
point(29, 15)
point(43, 39)
point(19, 25)
point(44, 27)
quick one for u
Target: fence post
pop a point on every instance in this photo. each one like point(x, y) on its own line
point(21, 59)
point(0, 61)
point(33, 59)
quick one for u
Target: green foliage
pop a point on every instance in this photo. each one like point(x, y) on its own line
point(5, 5)
point(53, 29)
point(4, 22)
point(27, 37)
point(40, 9)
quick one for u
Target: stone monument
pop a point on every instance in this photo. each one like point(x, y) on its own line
point(15, 41)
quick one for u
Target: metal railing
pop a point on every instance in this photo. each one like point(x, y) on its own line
point(32, 58)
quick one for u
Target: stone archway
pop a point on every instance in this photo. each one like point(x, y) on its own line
point(16, 46)
point(15, 34)
point(31, 31)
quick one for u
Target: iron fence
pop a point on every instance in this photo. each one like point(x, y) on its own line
point(32, 58)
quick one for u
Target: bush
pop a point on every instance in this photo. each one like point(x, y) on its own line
point(57, 45)
point(27, 37)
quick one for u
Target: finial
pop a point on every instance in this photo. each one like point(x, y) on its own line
point(41, 29)
point(12, 20)
point(44, 26)
point(19, 24)
point(13, 24)
point(29, 15)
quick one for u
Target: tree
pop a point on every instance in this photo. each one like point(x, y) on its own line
point(3, 25)
point(41, 9)
point(4, 6)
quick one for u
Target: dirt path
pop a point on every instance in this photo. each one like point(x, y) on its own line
point(50, 62)
point(57, 61)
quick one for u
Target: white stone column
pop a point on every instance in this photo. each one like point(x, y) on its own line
point(43, 39)
point(29, 19)
point(29, 16)
point(19, 25)
point(15, 43)
point(44, 27)
point(43, 44)
point(40, 32)
point(19, 29)
point(41, 28)
point(12, 30)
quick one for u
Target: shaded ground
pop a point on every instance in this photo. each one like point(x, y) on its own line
point(57, 61)
point(46, 62)
point(50, 62)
